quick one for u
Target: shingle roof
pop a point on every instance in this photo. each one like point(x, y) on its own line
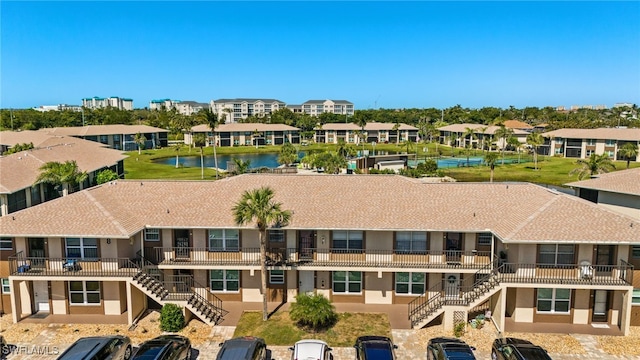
point(95, 130)
point(240, 127)
point(20, 170)
point(373, 126)
point(340, 126)
point(516, 212)
point(517, 124)
point(600, 134)
point(249, 100)
point(624, 182)
point(11, 138)
point(490, 130)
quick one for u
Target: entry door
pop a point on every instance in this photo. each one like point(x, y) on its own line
point(600, 306)
point(306, 244)
point(37, 250)
point(604, 256)
point(452, 286)
point(41, 295)
point(453, 247)
point(181, 243)
point(306, 282)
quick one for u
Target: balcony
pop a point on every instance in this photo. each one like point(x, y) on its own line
point(325, 258)
point(41, 266)
point(621, 275)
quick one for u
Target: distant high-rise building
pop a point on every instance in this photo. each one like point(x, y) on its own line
point(186, 107)
point(113, 101)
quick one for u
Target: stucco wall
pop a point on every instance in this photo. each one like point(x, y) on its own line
point(525, 302)
point(251, 286)
point(58, 297)
point(111, 297)
point(378, 290)
point(581, 311)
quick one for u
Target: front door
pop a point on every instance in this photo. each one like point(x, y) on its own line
point(306, 282)
point(36, 249)
point(453, 247)
point(181, 244)
point(306, 244)
point(41, 296)
point(452, 286)
point(603, 256)
point(600, 306)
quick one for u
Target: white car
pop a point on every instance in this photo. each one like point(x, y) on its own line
point(311, 349)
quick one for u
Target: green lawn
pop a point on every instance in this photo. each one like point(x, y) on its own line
point(280, 330)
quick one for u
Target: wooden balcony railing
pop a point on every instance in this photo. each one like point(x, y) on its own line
point(326, 257)
point(573, 274)
point(41, 266)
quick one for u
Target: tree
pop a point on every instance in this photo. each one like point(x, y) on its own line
point(331, 161)
point(140, 140)
point(314, 311)
point(241, 166)
point(535, 140)
point(490, 159)
point(211, 119)
point(176, 148)
point(200, 141)
point(503, 133)
point(258, 206)
point(516, 144)
point(468, 136)
point(65, 175)
point(595, 164)
point(105, 176)
point(396, 128)
point(288, 154)
point(629, 151)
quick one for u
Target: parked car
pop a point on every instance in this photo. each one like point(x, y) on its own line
point(375, 348)
point(311, 349)
point(443, 348)
point(165, 347)
point(243, 348)
point(116, 347)
point(517, 349)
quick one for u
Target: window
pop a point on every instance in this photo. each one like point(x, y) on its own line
point(635, 299)
point(635, 251)
point(589, 153)
point(152, 235)
point(484, 239)
point(559, 140)
point(591, 141)
point(84, 292)
point(224, 240)
point(81, 248)
point(556, 254)
point(6, 243)
point(411, 241)
point(554, 301)
point(276, 277)
point(6, 288)
point(609, 142)
point(610, 153)
point(348, 282)
point(224, 280)
point(410, 283)
point(347, 240)
point(276, 236)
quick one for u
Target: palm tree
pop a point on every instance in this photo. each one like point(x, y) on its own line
point(288, 154)
point(490, 159)
point(482, 131)
point(212, 120)
point(65, 175)
point(396, 128)
point(176, 148)
point(200, 141)
point(140, 140)
point(503, 133)
point(453, 140)
point(241, 166)
point(629, 151)
point(516, 144)
point(258, 206)
point(535, 140)
point(595, 164)
point(468, 135)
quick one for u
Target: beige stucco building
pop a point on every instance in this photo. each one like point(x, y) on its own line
point(581, 143)
point(246, 134)
point(235, 110)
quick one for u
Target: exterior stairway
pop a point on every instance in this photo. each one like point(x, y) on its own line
point(428, 306)
point(180, 291)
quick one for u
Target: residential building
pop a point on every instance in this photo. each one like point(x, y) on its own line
point(235, 110)
point(332, 133)
point(246, 134)
point(388, 133)
point(117, 136)
point(453, 135)
point(20, 170)
point(581, 143)
point(531, 255)
point(186, 107)
point(162, 104)
point(317, 107)
point(113, 101)
point(518, 125)
point(296, 109)
point(59, 107)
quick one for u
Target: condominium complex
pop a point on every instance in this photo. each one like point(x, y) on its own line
point(113, 101)
point(235, 110)
point(333, 133)
point(246, 134)
point(528, 254)
point(581, 143)
point(317, 107)
point(119, 137)
point(183, 107)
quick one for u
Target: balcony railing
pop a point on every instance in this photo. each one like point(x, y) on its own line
point(326, 257)
point(567, 274)
point(41, 266)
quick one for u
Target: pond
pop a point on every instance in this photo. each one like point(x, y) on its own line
point(269, 160)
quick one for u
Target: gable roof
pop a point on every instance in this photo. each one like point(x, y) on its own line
point(623, 182)
point(244, 127)
point(374, 126)
point(95, 130)
point(517, 124)
point(516, 212)
point(632, 134)
point(489, 130)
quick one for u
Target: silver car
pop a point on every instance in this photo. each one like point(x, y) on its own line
point(311, 349)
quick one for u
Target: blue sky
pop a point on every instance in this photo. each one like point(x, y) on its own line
point(375, 54)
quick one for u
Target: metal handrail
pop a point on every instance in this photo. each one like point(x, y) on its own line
point(571, 274)
point(46, 266)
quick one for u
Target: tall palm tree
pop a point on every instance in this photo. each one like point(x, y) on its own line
point(490, 159)
point(199, 140)
point(468, 135)
point(241, 166)
point(595, 164)
point(535, 140)
point(629, 151)
point(482, 131)
point(65, 175)
point(258, 206)
point(140, 140)
point(396, 128)
point(176, 148)
point(211, 119)
point(503, 133)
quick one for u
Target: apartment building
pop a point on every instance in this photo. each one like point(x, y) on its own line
point(317, 107)
point(113, 101)
point(332, 133)
point(186, 107)
point(453, 135)
point(59, 107)
point(235, 110)
point(581, 143)
point(529, 255)
point(116, 136)
point(246, 134)
point(20, 170)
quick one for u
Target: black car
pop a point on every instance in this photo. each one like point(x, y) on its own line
point(243, 348)
point(165, 347)
point(443, 348)
point(375, 348)
point(114, 347)
point(517, 349)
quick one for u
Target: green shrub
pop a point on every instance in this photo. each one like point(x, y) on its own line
point(171, 318)
point(459, 328)
point(313, 311)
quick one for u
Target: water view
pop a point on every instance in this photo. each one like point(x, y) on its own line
point(269, 160)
